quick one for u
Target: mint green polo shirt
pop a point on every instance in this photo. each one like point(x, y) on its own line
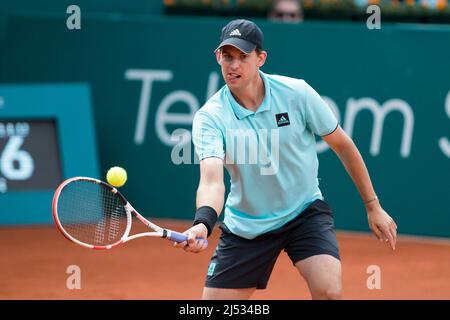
point(270, 154)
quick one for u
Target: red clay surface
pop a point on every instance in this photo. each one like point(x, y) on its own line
point(35, 259)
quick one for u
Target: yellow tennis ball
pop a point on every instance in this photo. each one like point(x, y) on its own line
point(116, 176)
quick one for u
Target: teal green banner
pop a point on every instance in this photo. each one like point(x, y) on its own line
point(117, 7)
point(41, 142)
point(390, 89)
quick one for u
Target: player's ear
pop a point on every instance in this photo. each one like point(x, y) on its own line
point(262, 56)
point(217, 52)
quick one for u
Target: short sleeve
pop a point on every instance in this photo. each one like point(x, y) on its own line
point(320, 118)
point(207, 137)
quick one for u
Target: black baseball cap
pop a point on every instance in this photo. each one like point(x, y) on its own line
point(242, 34)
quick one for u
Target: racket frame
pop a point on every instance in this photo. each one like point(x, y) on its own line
point(158, 231)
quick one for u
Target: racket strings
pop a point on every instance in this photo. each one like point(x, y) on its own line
point(91, 213)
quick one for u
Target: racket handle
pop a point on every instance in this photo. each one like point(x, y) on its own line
point(179, 237)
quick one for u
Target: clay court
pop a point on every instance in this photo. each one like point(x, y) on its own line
point(35, 259)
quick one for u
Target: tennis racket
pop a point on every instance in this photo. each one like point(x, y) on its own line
point(95, 215)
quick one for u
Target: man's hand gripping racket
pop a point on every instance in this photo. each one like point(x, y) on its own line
point(95, 215)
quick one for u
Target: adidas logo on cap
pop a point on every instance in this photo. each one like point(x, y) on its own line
point(235, 32)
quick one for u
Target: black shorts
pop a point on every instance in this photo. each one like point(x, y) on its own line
point(242, 263)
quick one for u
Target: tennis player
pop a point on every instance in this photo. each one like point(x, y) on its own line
point(274, 202)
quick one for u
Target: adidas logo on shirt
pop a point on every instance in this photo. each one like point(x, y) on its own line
point(235, 32)
point(282, 119)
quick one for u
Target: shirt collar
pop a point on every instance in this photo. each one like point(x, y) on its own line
point(242, 112)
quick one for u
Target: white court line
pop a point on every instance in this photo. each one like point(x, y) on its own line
point(346, 233)
point(400, 237)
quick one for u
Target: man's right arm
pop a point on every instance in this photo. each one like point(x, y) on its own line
point(211, 189)
point(211, 193)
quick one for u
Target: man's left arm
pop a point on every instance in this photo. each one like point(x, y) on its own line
point(382, 225)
